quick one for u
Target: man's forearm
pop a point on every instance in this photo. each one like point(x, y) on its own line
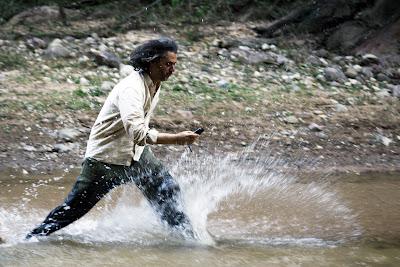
point(182, 138)
point(165, 139)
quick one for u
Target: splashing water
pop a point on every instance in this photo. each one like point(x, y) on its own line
point(228, 198)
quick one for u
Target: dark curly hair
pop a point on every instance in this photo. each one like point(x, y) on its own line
point(151, 51)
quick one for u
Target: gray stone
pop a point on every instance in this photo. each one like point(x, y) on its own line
point(382, 77)
point(64, 148)
point(334, 74)
point(367, 72)
point(57, 49)
point(341, 108)
point(395, 90)
point(322, 135)
point(383, 139)
point(35, 43)
point(223, 84)
point(69, 134)
point(90, 41)
point(351, 72)
point(107, 86)
point(29, 148)
point(383, 93)
point(291, 120)
point(84, 81)
point(315, 127)
point(282, 60)
point(322, 53)
point(313, 60)
point(251, 57)
point(50, 116)
point(106, 58)
point(369, 59)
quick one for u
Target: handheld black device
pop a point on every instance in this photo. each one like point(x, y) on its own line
point(199, 131)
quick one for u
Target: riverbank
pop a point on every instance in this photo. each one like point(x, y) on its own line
point(291, 98)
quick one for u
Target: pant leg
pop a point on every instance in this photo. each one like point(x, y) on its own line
point(162, 191)
point(94, 181)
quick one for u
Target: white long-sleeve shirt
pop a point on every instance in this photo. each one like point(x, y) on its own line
point(122, 126)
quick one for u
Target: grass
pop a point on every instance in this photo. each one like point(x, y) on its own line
point(11, 60)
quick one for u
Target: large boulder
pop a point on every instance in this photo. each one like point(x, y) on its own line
point(106, 58)
point(57, 49)
point(334, 74)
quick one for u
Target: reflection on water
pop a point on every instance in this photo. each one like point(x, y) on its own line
point(246, 211)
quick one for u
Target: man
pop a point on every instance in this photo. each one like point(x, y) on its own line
point(117, 150)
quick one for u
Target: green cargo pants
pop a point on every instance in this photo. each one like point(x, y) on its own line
point(97, 179)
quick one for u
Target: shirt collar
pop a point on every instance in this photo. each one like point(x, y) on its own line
point(148, 81)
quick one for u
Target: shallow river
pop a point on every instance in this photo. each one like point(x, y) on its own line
point(246, 213)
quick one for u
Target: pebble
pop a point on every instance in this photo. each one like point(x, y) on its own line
point(341, 108)
point(291, 120)
point(315, 127)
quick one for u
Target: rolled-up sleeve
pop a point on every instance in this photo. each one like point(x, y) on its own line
point(131, 103)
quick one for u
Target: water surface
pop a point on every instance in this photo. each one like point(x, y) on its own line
point(246, 213)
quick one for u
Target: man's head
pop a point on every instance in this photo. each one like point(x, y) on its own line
point(156, 57)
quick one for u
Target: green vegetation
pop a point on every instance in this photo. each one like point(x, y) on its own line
point(10, 61)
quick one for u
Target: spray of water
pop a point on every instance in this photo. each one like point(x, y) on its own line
point(228, 198)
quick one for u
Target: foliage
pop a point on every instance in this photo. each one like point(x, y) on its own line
point(9, 61)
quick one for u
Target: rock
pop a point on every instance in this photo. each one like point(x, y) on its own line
point(28, 148)
point(68, 134)
point(369, 59)
point(383, 139)
point(291, 120)
point(334, 74)
point(89, 41)
point(322, 135)
point(106, 58)
point(322, 53)
point(185, 113)
point(282, 60)
point(103, 48)
point(341, 108)
point(107, 86)
point(125, 70)
point(395, 90)
point(84, 81)
point(265, 46)
point(351, 72)
point(57, 49)
point(383, 93)
point(367, 72)
point(50, 116)
point(222, 84)
point(251, 57)
point(64, 148)
point(35, 43)
point(382, 77)
point(2, 241)
point(315, 127)
point(313, 60)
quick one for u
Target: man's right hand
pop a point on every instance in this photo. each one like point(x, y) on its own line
point(186, 138)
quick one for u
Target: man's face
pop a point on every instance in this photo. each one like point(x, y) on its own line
point(165, 66)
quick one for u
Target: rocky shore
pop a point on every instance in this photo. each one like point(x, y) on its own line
point(295, 99)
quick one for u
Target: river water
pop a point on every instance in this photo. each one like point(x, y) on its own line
point(246, 212)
